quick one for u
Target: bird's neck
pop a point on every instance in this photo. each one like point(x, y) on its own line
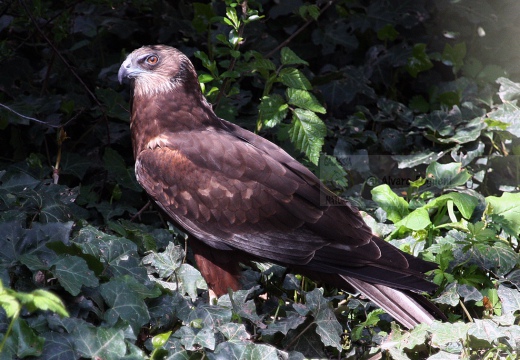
point(161, 114)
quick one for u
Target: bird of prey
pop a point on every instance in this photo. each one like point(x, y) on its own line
point(240, 197)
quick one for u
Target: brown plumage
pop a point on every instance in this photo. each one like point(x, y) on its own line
point(241, 197)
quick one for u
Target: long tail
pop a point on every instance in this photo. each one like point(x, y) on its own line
point(402, 306)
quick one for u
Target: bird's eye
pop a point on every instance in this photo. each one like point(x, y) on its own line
point(152, 60)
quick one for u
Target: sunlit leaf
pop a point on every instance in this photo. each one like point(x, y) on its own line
point(307, 132)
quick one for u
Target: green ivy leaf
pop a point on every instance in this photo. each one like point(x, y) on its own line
point(387, 33)
point(419, 61)
point(190, 280)
point(28, 343)
point(508, 206)
point(193, 339)
point(165, 263)
point(410, 161)
point(508, 113)
point(465, 133)
point(292, 321)
point(307, 132)
point(464, 202)
point(247, 350)
point(242, 306)
point(499, 258)
point(396, 207)
point(328, 327)
point(124, 303)
point(509, 90)
point(72, 272)
point(115, 164)
point(99, 342)
point(58, 346)
point(416, 220)
point(445, 333)
point(440, 122)
point(454, 56)
point(234, 332)
point(446, 176)
point(509, 299)
point(114, 103)
point(484, 333)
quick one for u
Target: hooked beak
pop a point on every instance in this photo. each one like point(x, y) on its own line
point(127, 70)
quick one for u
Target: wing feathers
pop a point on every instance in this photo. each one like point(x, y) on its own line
point(401, 306)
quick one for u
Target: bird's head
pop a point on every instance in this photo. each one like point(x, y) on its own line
point(156, 69)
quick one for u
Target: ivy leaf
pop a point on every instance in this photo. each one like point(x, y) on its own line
point(416, 220)
point(410, 161)
point(444, 333)
point(500, 258)
point(484, 333)
point(193, 339)
point(114, 103)
point(242, 306)
point(124, 303)
point(246, 350)
point(419, 61)
point(508, 113)
point(508, 206)
point(446, 176)
point(454, 56)
point(209, 315)
point(292, 321)
point(165, 263)
point(234, 332)
point(387, 32)
point(58, 346)
point(469, 293)
point(509, 299)
point(72, 272)
point(119, 253)
point(28, 343)
point(327, 326)
point(353, 82)
point(305, 100)
point(466, 133)
point(509, 90)
point(116, 166)
point(464, 202)
point(190, 280)
point(307, 132)
point(396, 207)
point(72, 163)
point(99, 342)
point(442, 123)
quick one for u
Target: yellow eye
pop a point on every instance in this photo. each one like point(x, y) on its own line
point(152, 60)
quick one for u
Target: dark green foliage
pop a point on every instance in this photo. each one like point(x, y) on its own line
point(408, 108)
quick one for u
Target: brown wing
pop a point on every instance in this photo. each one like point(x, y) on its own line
point(229, 195)
point(234, 190)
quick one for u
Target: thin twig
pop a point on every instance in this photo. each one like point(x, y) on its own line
point(39, 121)
point(297, 32)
